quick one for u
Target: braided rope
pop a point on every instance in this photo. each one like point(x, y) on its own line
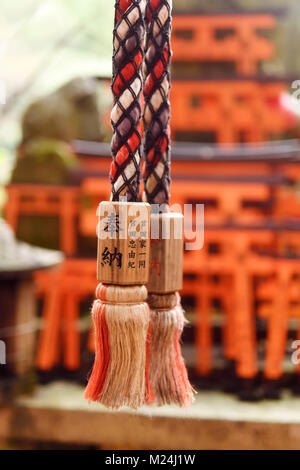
point(157, 105)
point(126, 88)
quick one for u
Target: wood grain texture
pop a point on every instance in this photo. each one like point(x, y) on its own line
point(162, 301)
point(123, 243)
point(166, 253)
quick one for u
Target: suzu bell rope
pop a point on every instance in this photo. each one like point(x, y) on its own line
point(126, 88)
point(167, 371)
point(138, 356)
point(120, 313)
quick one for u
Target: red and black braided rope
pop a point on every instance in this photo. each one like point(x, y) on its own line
point(126, 88)
point(157, 105)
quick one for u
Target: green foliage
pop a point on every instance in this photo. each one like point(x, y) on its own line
point(44, 44)
point(229, 5)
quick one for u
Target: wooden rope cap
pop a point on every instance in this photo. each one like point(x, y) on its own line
point(166, 253)
point(123, 243)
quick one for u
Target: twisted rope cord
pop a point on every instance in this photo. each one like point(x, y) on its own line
point(128, 37)
point(157, 105)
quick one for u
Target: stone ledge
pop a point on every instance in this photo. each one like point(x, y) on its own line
point(57, 413)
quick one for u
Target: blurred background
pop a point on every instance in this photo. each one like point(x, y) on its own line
point(235, 128)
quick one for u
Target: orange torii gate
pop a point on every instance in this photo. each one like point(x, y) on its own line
point(233, 38)
point(231, 110)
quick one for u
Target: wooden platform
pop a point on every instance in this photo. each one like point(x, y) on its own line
point(57, 413)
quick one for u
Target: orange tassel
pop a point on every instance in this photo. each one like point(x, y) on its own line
point(99, 371)
point(120, 376)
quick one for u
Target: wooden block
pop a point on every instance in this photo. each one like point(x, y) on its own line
point(162, 301)
point(166, 254)
point(123, 243)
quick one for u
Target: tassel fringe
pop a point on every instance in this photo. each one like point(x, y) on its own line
point(119, 376)
point(167, 370)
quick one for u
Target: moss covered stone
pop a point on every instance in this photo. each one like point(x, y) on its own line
point(44, 161)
